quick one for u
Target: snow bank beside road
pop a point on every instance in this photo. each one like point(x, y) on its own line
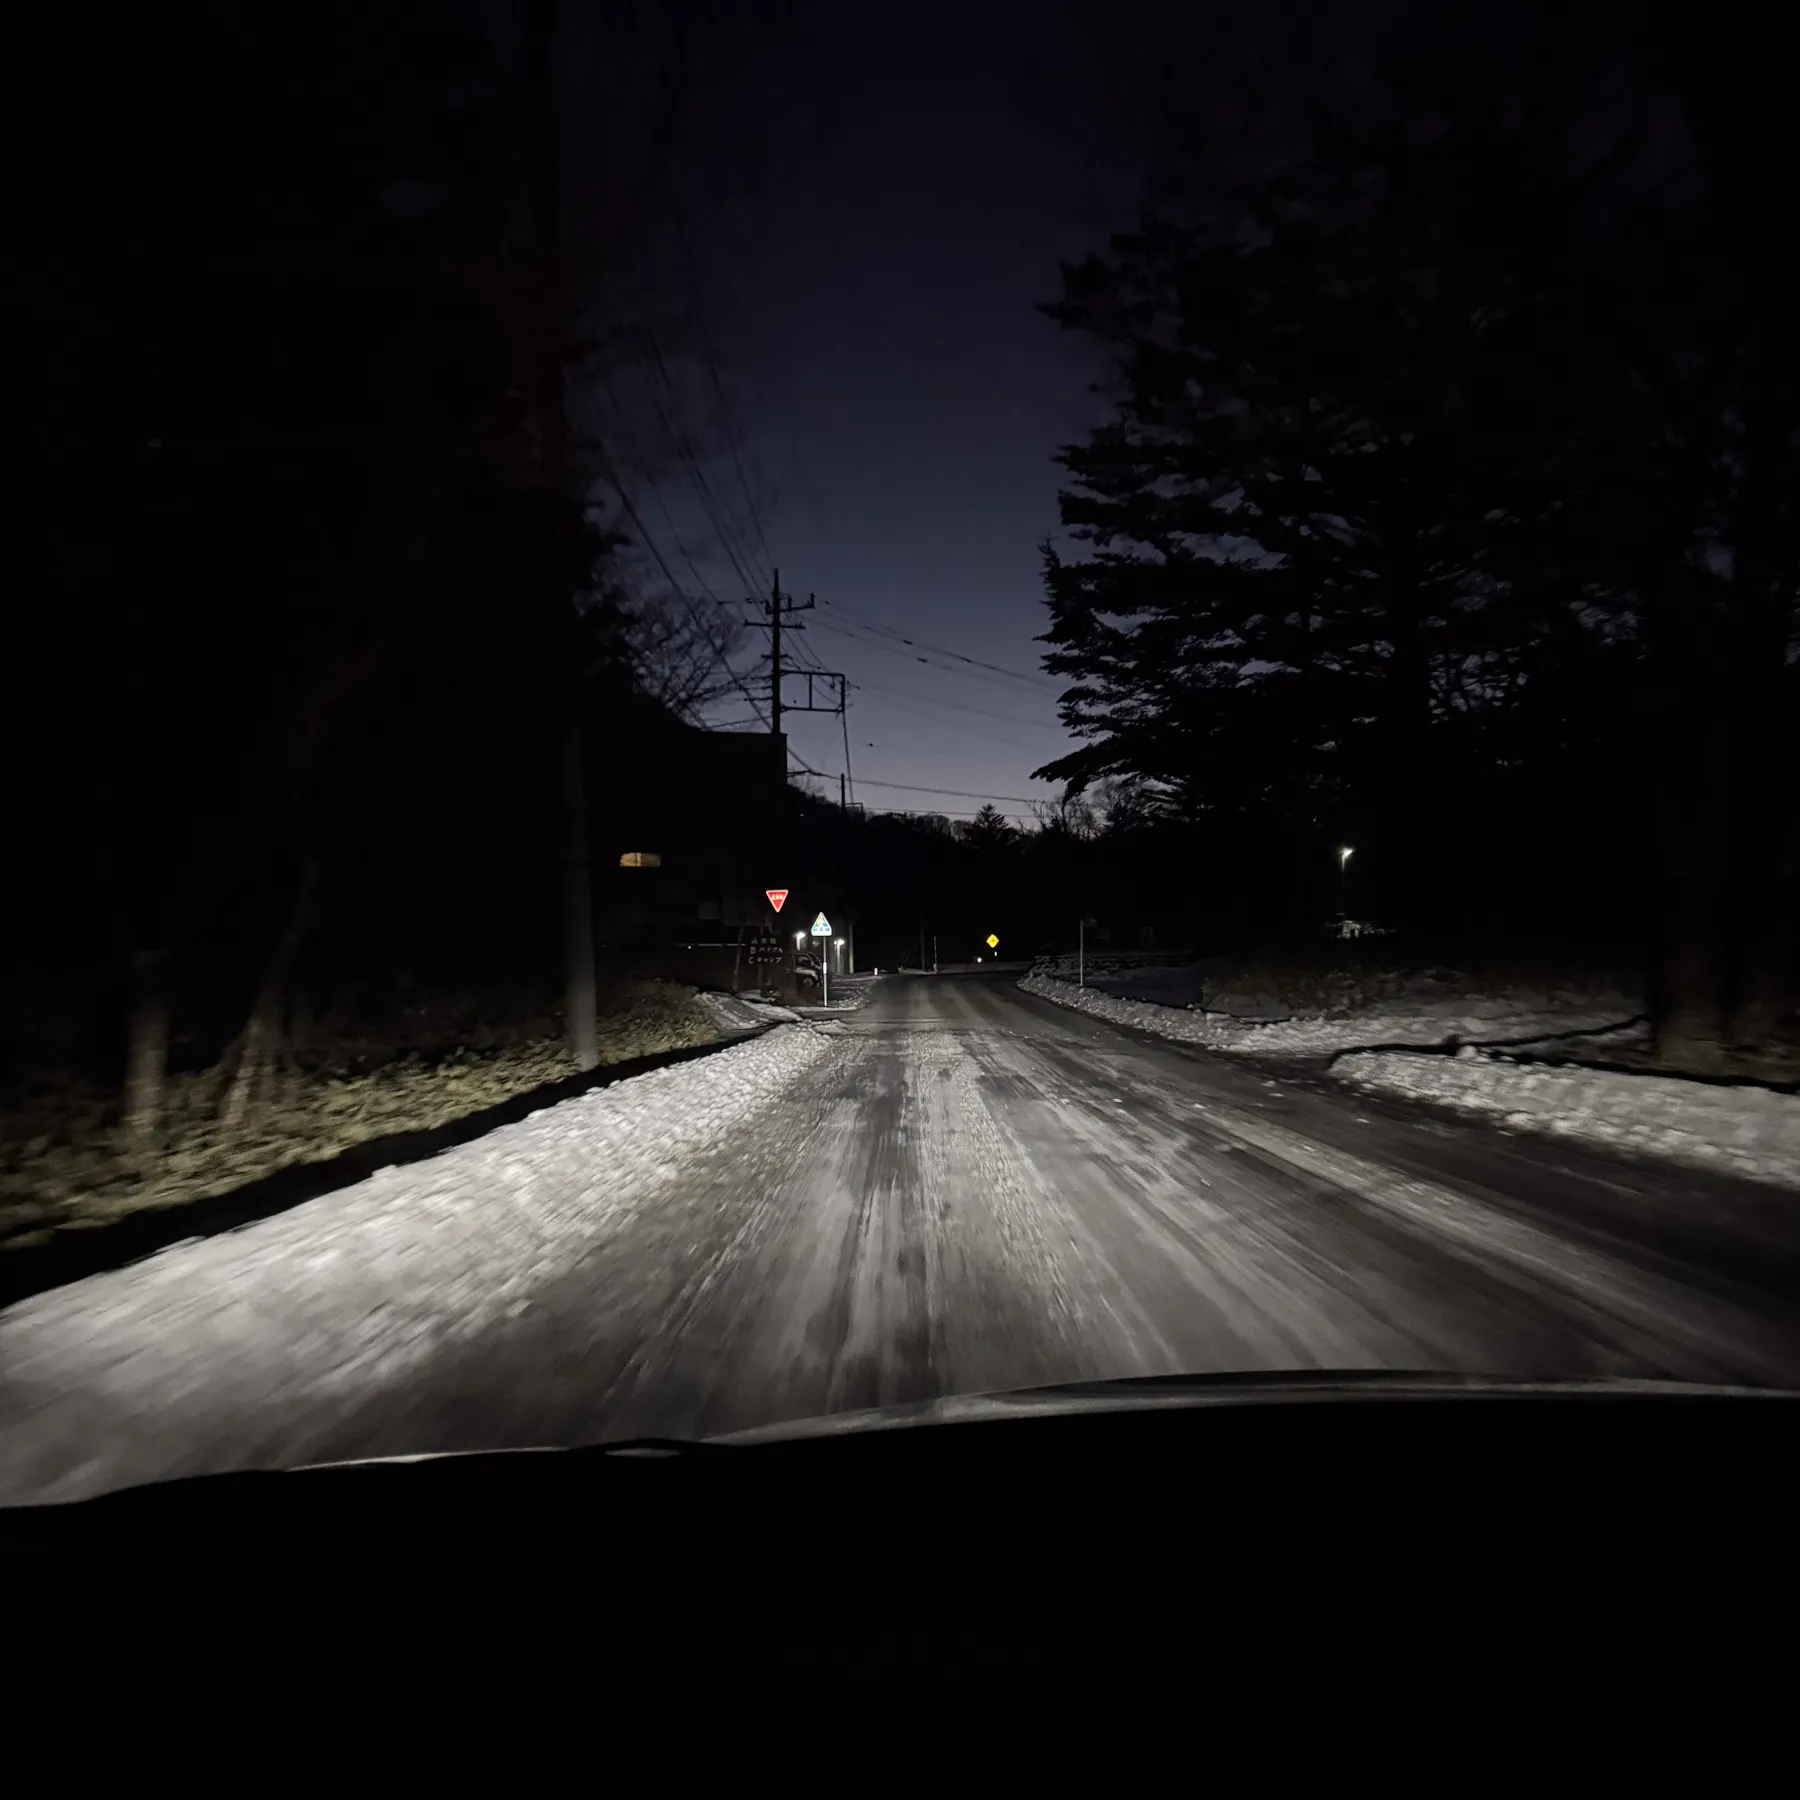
point(257, 1335)
point(733, 1013)
point(1161, 983)
point(1752, 1131)
point(849, 993)
point(1420, 1020)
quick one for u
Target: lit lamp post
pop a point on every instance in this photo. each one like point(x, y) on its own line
point(1344, 855)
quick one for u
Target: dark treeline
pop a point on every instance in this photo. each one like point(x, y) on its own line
point(911, 879)
point(305, 593)
point(1446, 508)
point(1445, 511)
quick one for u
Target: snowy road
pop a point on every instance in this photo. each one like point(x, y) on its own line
point(959, 1187)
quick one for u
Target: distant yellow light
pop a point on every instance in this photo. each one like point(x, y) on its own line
point(640, 859)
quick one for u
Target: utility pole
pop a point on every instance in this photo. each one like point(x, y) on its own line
point(553, 445)
point(775, 652)
point(776, 610)
point(779, 607)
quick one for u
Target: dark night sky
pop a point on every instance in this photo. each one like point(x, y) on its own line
point(898, 393)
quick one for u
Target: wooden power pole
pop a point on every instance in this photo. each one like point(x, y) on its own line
point(580, 999)
point(777, 608)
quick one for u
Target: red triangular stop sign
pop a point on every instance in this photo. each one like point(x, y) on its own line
point(776, 896)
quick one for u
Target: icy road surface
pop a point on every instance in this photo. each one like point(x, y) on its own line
point(960, 1187)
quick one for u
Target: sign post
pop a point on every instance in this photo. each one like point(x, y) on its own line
point(821, 928)
point(1087, 919)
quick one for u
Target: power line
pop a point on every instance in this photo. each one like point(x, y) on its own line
point(985, 733)
point(953, 706)
point(952, 813)
point(776, 609)
point(653, 371)
point(727, 417)
point(663, 397)
point(643, 531)
point(806, 657)
point(916, 644)
point(612, 475)
point(648, 541)
point(681, 548)
point(732, 437)
point(803, 656)
point(631, 513)
point(741, 555)
point(616, 482)
point(1008, 680)
point(913, 787)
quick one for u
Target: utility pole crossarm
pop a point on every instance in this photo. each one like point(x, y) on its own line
point(777, 609)
point(812, 705)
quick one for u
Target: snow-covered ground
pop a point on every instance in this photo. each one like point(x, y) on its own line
point(1753, 1131)
point(1255, 1024)
point(849, 993)
point(1162, 984)
point(1434, 1044)
point(746, 1011)
point(830, 1215)
point(387, 1274)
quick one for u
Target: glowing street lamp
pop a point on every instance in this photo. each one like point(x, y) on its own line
point(1344, 855)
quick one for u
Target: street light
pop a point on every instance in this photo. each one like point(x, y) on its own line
point(799, 940)
point(1344, 855)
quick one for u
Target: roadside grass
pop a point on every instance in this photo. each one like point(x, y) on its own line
point(60, 1170)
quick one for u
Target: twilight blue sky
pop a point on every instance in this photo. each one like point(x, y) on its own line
point(899, 397)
